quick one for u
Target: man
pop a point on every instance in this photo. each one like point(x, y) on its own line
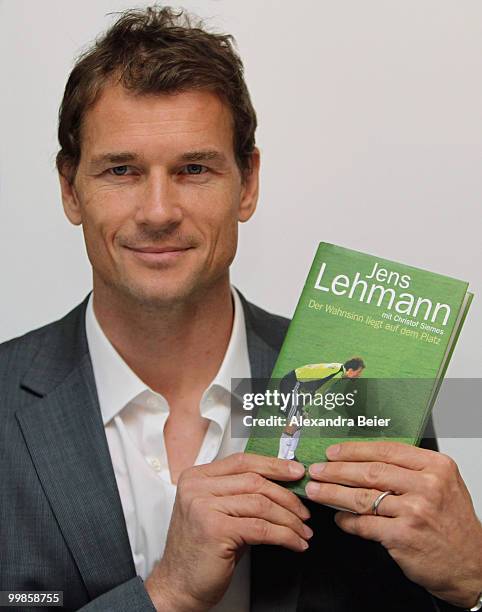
point(119, 484)
point(310, 379)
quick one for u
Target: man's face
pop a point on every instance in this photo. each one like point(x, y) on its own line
point(353, 373)
point(159, 194)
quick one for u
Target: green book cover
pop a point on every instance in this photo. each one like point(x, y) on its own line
point(363, 357)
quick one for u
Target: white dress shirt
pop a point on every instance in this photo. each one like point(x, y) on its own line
point(134, 417)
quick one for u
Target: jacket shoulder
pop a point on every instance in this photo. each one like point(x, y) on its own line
point(17, 353)
point(16, 349)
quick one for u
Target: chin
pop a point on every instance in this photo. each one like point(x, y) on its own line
point(155, 296)
point(160, 289)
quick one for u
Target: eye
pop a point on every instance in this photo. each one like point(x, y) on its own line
point(119, 170)
point(194, 169)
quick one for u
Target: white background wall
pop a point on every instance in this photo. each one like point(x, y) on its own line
point(370, 127)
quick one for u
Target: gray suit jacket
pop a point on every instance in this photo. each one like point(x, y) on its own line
point(61, 520)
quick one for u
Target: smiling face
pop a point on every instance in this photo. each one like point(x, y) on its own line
point(159, 194)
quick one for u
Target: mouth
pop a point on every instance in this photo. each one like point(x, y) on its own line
point(158, 255)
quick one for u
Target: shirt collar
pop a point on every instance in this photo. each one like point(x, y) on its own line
point(117, 384)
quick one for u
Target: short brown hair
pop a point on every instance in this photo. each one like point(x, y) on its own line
point(156, 50)
point(355, 363)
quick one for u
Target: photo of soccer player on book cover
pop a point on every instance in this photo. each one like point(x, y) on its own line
point(313, 379)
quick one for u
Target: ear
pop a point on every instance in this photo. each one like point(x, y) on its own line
point(70, 200)
point(250, 189)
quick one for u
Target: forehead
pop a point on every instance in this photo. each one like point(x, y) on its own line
point(122, 120)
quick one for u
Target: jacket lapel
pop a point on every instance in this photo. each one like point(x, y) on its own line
point(65, 437)
point(275, 571)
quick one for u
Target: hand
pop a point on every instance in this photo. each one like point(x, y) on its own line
point(429, 526)
point(221, 507)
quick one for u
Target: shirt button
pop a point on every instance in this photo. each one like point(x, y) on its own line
point(155, 463)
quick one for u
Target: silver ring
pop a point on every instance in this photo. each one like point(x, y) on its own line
point(378, 500)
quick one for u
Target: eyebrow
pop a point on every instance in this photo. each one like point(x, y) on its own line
point(120, 157)
point(203, 155)
point(123, 157)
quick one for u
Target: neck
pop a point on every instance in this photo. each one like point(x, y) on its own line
point(162, 345)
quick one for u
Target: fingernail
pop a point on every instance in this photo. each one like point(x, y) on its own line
point(305, 512)
point(307, 531)
point(332, 451)
point(311, 489)
point(317, 468)
point(296, 469)
point(304, 544)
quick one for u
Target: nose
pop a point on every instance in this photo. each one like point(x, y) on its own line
point(158, 204)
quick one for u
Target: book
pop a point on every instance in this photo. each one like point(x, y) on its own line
point(363, 357)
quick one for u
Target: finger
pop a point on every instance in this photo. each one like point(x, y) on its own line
point(254, 505)
point(269, 467)
point(376, 528)
point(356, 500)
point(250, 482)
point(396, 453)
point(258, 531)
point(369, 475)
